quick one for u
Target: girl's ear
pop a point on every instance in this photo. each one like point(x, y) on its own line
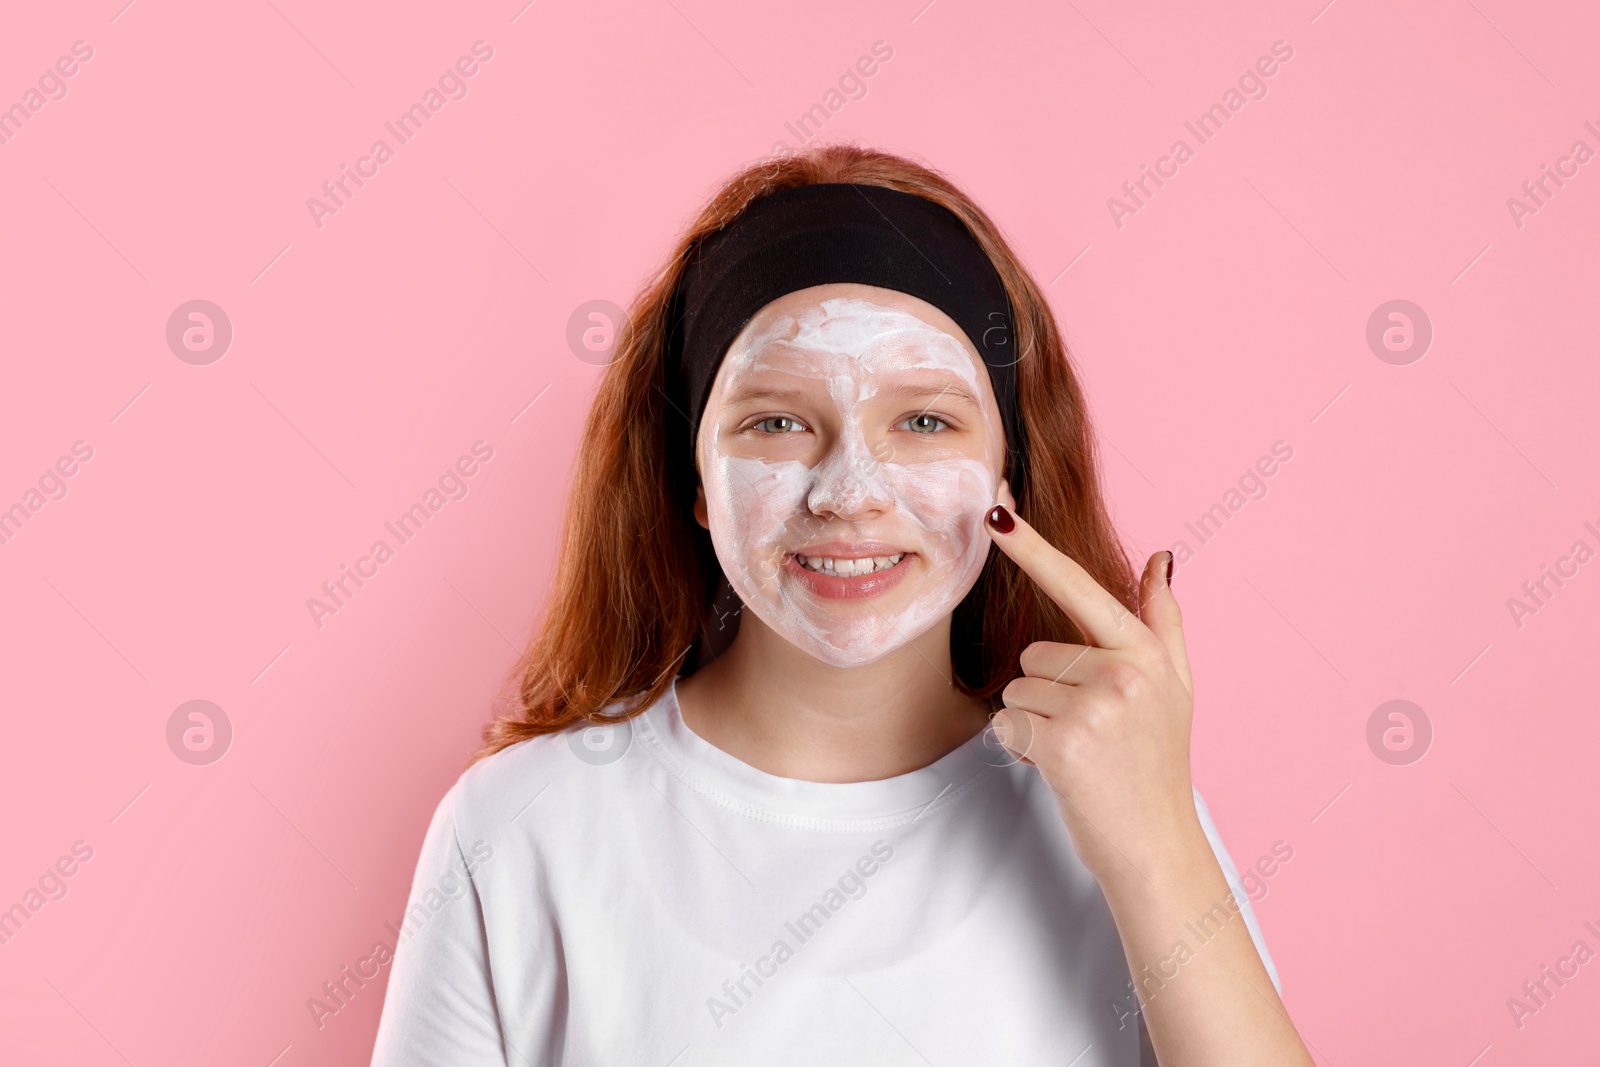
point(700, 514)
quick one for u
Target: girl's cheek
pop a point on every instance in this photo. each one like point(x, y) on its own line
point(758, 501)
point(947, 499)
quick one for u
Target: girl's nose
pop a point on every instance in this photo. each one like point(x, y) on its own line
point(849, 482)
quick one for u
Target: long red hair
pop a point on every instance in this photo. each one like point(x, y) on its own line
point(636, 575)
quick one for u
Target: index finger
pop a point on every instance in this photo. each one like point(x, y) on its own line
point(1099, 616)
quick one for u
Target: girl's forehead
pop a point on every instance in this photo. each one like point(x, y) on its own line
point(850, 336)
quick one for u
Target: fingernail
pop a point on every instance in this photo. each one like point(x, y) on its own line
point(1000, 519)
point(1169, 568)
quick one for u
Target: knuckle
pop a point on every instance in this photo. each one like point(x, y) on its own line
point(1125, 679)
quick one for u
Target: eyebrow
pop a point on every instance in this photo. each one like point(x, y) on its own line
point(908, 391)
point(903, 391)
point(746, 394)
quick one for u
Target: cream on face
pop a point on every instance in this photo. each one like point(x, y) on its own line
point(853, 481)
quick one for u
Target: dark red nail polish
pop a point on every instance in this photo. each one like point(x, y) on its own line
point(1001, 519)
point(1169, 568)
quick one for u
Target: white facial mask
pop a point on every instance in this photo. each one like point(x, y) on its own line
point(760, 510)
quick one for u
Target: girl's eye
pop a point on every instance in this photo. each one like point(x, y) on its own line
point(925, 423)
point(778, 424)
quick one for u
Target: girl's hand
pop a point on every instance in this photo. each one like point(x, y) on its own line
point(1106, 724)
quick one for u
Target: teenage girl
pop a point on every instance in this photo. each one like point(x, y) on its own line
point(850, 735)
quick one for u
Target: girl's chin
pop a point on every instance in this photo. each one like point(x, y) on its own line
point(858, 648)
point(855, 635)
point(851, 657)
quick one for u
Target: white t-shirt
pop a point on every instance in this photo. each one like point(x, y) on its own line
point(633, 896)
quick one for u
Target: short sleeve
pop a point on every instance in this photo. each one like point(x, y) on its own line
point(440, 1008)
point(1231, 872)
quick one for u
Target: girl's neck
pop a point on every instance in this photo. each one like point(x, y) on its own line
point(782, 711)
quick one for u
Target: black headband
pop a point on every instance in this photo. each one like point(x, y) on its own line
point(839, 232)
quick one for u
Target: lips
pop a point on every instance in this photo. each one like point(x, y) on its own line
point(847, 568)
point(851, 570)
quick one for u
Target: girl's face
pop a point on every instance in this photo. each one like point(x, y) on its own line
point(849, 449)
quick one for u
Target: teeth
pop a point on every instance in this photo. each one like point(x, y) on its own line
point(848, 568)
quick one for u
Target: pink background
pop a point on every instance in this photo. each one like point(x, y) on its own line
point(368, 354)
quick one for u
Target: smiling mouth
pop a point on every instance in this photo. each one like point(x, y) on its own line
point(848, 577)
point(848, 568)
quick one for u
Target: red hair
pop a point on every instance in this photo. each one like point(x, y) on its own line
point(636, 575)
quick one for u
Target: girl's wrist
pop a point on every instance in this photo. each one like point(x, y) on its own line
point(1178, 866)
